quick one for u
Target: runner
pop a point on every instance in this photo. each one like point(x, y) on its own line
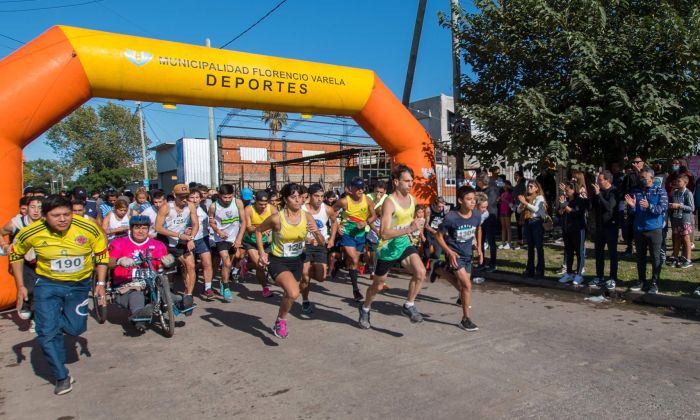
point(11, 229)
point(395, 245)
point(80, 209)
point(111, 197)
point(255, 214)
point(456, 235)
point(358, 212)
point(157, 201)
point(289, 230)
point(432, 250)
point(79, 194)
point(125, 253)
point(225, 221)
point(65, 247)
point(316, 259)
point(116, 222)
point(378, 196)
point(201, 243)
point(175, 222)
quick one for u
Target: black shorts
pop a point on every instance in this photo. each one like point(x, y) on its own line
point(316, 254)
point(178, 250)
point(279, 265)
point(224, 246)
point(462, 262)
point(384, 266)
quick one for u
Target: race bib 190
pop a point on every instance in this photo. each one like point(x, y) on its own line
point(68, 264)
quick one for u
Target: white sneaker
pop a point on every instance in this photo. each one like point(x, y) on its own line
point(507, 245)
point(486, 246)
point(697, 292)
point(32, 326)
point(578, 279)
point(562, 271)
point(501, 246)
point(692, 245)
point(566, 278)
point(583, 270)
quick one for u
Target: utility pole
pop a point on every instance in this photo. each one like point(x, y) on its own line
point(456, 76)
point(146, 179)
point(414, 52)
point(213, 147)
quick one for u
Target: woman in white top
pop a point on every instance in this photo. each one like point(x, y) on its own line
point(116, 222)
point(534, 210)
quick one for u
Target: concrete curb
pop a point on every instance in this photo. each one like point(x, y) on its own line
point(636, 297)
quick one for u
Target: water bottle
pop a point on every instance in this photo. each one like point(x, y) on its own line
point(478, 280)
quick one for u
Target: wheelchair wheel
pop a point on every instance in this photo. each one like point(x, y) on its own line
point(167, 315)
point(100, 311)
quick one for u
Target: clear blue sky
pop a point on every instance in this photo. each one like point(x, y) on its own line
point(362, 33)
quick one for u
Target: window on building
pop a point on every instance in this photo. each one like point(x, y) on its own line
point(307, 153)
point(253, 154)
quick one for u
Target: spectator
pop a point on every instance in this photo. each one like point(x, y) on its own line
point(488, 186)
point(648, 204)
point(534, 210)
point(548, 183)
point(629, 185)
point(518, 189)
point(681, 208)
point(605, 210)
point(678, 167)
point(504, 212)
point(572, 208)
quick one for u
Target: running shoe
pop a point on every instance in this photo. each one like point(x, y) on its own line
point(578, 279)
point(364, 318)
point(228, 296)
point(562, 271)
point(306, 307)
point(637, 286)
point(671, 261)
point(566, 278)
point(432, 274)
point(412, 313)
point(596, 282)
point(140, 326)
point(266, 292)
point(187, 303)
point(697, 291)
point(357, 296)
point(610, 284)
point(507, 246)
point(280, 328)
point(653, 289)
point(64, 386)
point(502, 246)
point(490, 269)
point(32, 324)
point(684, 263)
point(235, 274)
point(208, 294)
point(468, 325)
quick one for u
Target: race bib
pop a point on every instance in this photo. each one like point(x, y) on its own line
point(464, 234)
point(139, 273)
point(292, 249)
point(436, 222)
point(68, 264)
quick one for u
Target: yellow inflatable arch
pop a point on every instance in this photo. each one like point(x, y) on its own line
point(54, 74)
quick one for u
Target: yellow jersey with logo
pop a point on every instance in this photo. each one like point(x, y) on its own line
point(355, 212)
point(391, 249)
point(256, 219)
point(289, 241)
point(63, 256)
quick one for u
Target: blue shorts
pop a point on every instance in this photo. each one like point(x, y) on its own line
point(462, 262)
point(357, 242)
point(201, 246)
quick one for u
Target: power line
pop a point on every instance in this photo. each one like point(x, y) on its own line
point(16, 1)
point(63, 6)
point(11, 39)
point(255, 24)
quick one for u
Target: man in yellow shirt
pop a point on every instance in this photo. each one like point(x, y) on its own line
point(64, 248)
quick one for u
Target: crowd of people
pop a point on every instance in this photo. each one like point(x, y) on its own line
point(59, 245)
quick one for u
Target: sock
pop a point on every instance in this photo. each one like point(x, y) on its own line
point(408, 304)
point(353, 279)
point(207, 286)
point(365, 309)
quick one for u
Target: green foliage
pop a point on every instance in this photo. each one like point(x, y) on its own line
point(275, 120)
point(115, 178)
point(93, 140)
point(582, 81)
point(41, 172)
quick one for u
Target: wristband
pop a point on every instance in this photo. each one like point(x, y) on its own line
point(101, 283)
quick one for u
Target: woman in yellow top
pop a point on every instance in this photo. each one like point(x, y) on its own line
point(285, 263)
point(255, 214)
point(398, 223)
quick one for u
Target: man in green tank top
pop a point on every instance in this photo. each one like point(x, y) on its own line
point(395, 245)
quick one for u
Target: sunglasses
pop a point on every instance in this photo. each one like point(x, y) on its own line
point(637, 161)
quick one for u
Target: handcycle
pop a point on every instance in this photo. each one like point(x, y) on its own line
point(156, 288)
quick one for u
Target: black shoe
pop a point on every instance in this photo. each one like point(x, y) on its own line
point(539, 274)
point(490, 269)
point(64, 386)
point(468, 325)
point(653, 289)
point(528, 274)
point(459, 301)
point(143, 314)
point(430, 270)
point(357, 296)
point(140, 326)
point(671, 260)
point(187, 303)
point(628, 253)
point(637, 286)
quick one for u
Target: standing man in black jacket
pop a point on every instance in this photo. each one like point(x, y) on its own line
point(605, 208)
point(629, 184)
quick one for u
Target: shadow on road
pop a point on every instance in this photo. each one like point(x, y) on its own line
point(74, 346)
point(245, 323)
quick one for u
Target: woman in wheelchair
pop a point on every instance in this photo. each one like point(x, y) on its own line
point(125, 260)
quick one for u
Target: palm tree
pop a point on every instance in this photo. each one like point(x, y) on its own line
point(276, 120)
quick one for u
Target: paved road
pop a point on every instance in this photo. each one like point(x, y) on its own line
point(539, 354)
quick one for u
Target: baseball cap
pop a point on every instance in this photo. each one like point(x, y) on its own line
point(246, 194)
point(181, 189)
point(79, 192)
point(358, 183)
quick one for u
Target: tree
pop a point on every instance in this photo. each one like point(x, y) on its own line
point(110, 178)
point(276, 120)
point(41, 172)
point(93, 141)
point(584, 81)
